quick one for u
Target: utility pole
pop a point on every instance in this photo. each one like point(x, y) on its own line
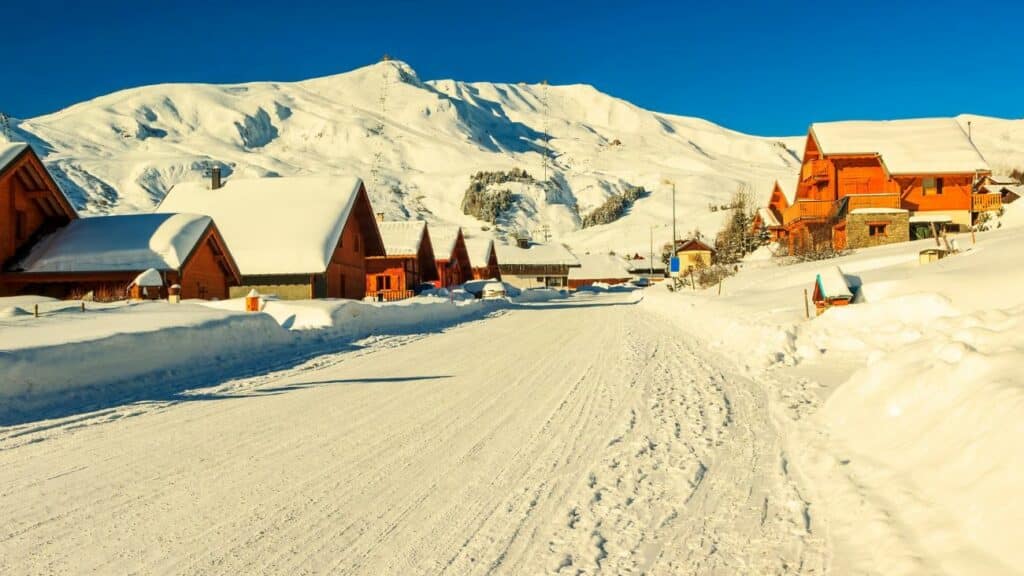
point(674, 237)
point(651, 261)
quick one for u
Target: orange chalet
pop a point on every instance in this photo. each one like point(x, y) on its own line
point(870, 183)
point(408, 261)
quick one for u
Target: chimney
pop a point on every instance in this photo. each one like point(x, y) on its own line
point(380, 216)
point(215, 178)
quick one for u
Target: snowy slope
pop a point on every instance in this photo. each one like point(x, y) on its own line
point(123, 151)
point(416, 144)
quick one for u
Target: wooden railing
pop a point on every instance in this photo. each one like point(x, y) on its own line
point(855, 201)
point(807, 210)
point(815, 170)
point(986, 202)
point(391, 295)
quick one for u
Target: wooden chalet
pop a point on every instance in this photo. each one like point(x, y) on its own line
point(483, 258)
point(104, 255)
point(868, 183)
point(408, 261)
point(1009, 190)
point(296, 238)
point(529, 265)
point(769, 218)
point(31, 205)
point(451, 256)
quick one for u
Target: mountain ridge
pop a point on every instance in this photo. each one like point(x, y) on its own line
point(416, 144)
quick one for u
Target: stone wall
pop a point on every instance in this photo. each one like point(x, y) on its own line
point(858, 229)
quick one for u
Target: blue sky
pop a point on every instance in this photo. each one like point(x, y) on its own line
point(767, 68)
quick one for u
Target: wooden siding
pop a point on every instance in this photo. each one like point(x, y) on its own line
point(31, 205)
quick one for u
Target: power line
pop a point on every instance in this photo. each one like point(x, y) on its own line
point(376, 171)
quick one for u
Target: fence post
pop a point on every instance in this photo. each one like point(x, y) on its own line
point(35, 310)
point(807, 306)
point(720, 286)
point(83, 305)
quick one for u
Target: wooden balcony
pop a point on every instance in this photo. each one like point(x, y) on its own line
point(986, 202)
point(815, 170)
point(856, 201)
point(807, 210)
point(391, 295)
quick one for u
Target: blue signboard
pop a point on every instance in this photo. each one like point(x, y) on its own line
point(673, 266)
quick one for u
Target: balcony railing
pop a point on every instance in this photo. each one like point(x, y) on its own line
point(986, 202)
point(856, 201)
point(815, 170)
point(807, 210)
point(391, 295)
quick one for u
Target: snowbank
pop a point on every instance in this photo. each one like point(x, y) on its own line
point(69, 357)
point(921, 395)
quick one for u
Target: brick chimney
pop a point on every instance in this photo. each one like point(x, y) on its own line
point(215, 178)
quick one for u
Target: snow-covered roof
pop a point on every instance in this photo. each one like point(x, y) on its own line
point(878, 211)
point(443, 239)
point(148, 278)
point(788, 187)
point(118, 243)
point(643, 265)
point(1017, 189)
point(274, 225)
point(9, 151)
point(832, 283)
point(767, 217)
point(402, 238)
point(918, 146)
point(599, 267)
point(479, 250)
point(535, 255)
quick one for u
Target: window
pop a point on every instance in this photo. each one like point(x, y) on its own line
point(931, 186)
point(877, 228)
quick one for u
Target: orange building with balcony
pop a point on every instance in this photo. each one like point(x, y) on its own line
point(898, 179)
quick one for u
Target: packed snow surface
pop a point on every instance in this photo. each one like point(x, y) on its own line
point(273, 225)
point(918, 146)
point(129, 242)
point(427, 453)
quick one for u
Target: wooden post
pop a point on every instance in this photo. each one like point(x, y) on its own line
point(719, 286)
point(83, 305)
point(692, 282)
point(807, 306)
point(972, 236)
point(35, 310)
point(935, 234)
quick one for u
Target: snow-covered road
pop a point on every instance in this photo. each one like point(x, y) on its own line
point(581, 436)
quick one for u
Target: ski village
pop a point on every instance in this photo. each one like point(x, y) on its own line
point(372, 324)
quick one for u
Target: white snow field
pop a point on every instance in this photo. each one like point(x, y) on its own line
point(909, 404)
point(600, 439)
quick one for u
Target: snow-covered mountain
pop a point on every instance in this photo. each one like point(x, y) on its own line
point(417, 143)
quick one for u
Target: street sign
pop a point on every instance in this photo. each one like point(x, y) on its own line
point(673, 266)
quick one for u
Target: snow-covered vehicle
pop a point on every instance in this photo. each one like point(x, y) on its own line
point(641, 282)
point(493, 290)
